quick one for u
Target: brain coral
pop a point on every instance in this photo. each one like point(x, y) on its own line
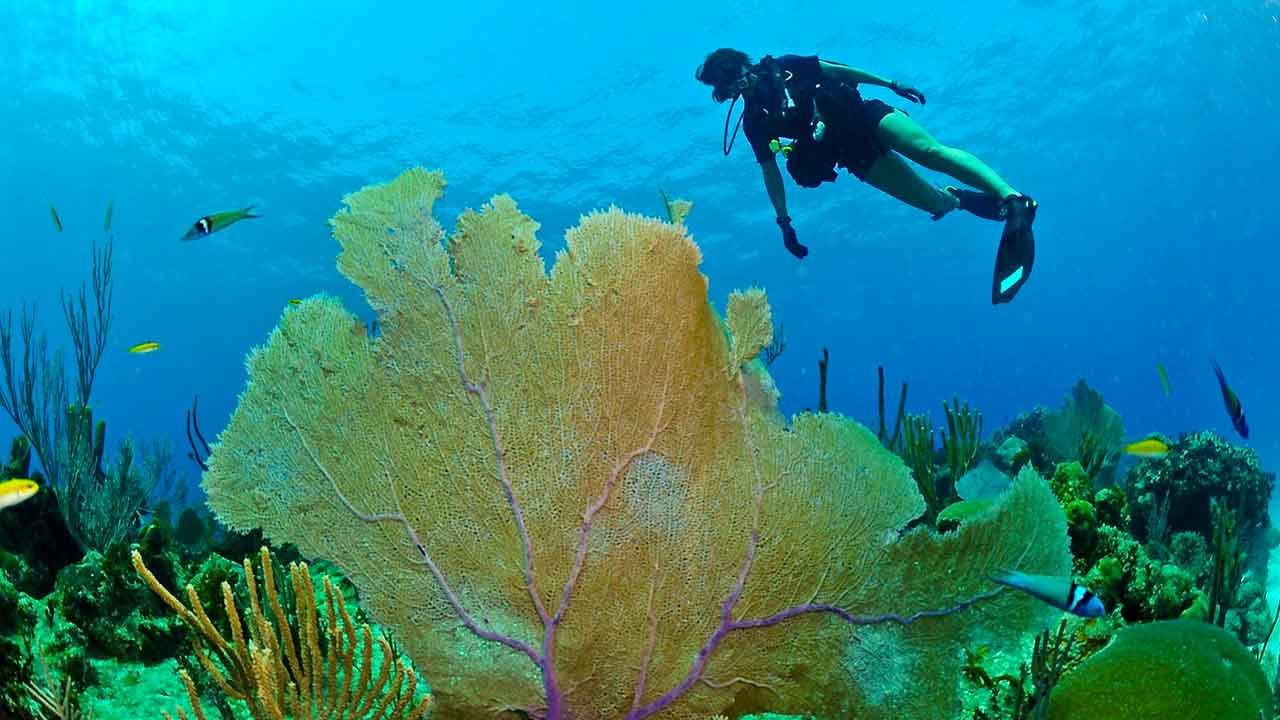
point(1183, 669)
point(569, 494)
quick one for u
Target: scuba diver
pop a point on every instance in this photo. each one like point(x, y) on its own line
point(816, 105)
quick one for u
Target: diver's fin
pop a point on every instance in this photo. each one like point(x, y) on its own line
point(981, 204)
point(1017, 251)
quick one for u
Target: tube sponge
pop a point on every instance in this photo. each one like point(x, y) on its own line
point(557, 490)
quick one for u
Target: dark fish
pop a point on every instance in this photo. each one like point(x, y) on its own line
point(57, 221)
point(210, 224)
point(106, 220)
point(1234, 410)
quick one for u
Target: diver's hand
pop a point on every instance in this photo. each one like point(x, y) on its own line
point(907, 92)
point(789, 238)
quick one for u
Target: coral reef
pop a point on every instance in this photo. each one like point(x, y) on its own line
point(17, 623)
point(1112, 506)
point(984, 481)
point(958, 513)
point(34, 541)
point(99, 598)
point(1196, 469)
point(962, 438)
point(1174, 669)
point(565, 515)
point(283, 668)
point(1084, 429)
point(1070, 482)
point(1126, 578)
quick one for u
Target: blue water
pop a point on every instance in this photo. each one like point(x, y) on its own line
point(1147, 131)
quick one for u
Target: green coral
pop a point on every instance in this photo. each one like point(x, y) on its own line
point(191, 530)
point(1070, 482)
point(35, 541)
point(1191, 553)
point(570, 459)
point(1143, 589)
point(1012, 453)
point(1082, 526)
point(918, 452)
point(17, 623)
point(1087, 430)
point(962, 438)
point(101, 598)
point(1196, 469)
point(958, 513)
point(1112, 506)
point(1173, 669)
point(1251, 616)
point(19, 464)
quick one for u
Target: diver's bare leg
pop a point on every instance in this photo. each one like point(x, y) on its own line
point(899, 132)
point(894, 176)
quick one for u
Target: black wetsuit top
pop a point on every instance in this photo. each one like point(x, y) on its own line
point(802, 75)
point(849, 139)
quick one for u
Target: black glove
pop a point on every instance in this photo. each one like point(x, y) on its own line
point(907, 92)
point(789, 238)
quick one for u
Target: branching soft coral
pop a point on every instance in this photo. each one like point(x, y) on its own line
point(571, 494)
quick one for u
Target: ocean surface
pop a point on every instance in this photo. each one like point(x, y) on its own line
point(1147, 131)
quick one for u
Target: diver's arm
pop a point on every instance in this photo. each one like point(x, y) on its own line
point(773, 184)
point(842, 72)
point(778, 196)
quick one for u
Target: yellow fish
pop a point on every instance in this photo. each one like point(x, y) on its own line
point(15, 491)
point(144, 347)
point(1149, 448)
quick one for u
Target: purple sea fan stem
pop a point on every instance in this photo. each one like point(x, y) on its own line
point(704, 653)
point(728, 624)
point(546, 661)
point(398, 517)
point(499, 453)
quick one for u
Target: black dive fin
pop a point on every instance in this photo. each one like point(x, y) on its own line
point(1017, 252)
point(981, 204)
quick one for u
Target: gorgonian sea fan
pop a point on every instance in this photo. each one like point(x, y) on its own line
point(571, 495)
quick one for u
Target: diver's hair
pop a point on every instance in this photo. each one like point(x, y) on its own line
point(721, 70)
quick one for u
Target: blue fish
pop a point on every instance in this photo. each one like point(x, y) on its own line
point(1060, 592)
point(1234, 410)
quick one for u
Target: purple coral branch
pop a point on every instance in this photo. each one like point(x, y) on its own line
point(480, 391)
point(863, 619)
point(704, 653)
point(643, 676)
point(545, 662)
point(727, 626)
point(588, 518)
point(398, 517)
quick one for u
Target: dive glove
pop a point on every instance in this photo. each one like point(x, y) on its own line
point(907, 92)
point(789, 238)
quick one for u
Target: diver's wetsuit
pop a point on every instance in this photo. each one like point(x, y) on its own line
point(849, 140)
